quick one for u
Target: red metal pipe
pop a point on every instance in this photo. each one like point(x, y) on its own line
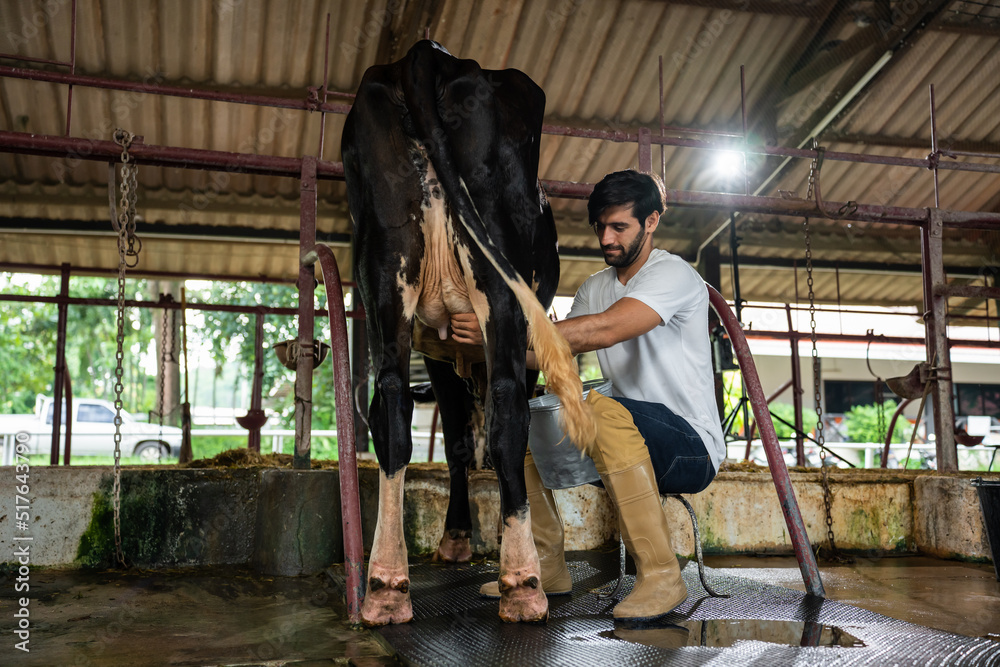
point(992, 156)
point(853, 338)
point(645, 151)
point(60, 370)
point(607, 135)
point(97, 270)
point(753, 425)
point(819, 309)
point(746, 139)
point(779, 473)
point(621, 136)
point(800, 451)
point(326, 80)
point(256, 412)
point(347, 461)
point(434, 428)
point(69, 411)
point(154, 88)
point(73, 148)
point(76, 301)
point(72, 70)
point(892, 425)
point(663, 156)
point(28, 59)
point(306, 284)
point(798, 207)
point(934, 156)
point(938, 347)
point(194, 158)
point(967, 291)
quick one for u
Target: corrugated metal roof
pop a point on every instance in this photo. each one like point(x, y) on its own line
point(598, 64)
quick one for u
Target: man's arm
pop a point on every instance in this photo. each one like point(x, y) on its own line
point(624, 320)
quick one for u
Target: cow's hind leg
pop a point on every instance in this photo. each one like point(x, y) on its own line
point(521, 595)
point(455, 405)
point(387, 599)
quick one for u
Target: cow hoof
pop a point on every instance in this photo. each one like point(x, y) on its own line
point(453, 548)
point(522, 599)
point(387, 602)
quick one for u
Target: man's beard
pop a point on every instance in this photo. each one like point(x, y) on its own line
point(628, 255)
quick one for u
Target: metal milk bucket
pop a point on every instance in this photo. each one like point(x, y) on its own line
point(560, 464)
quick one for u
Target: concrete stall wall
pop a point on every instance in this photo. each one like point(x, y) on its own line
point(281, 521)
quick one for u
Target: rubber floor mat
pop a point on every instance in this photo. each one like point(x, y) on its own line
point(759, 624)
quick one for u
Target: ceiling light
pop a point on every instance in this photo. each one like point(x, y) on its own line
point(729, 165)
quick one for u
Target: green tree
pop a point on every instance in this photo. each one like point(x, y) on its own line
point(231, 339)
point(28, 342)
point(862, 424)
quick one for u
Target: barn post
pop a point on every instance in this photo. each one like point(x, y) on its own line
point(307, 288)
point(253, 433)
point(710, 269)
point(60, 369)
point(938, 353)
point(800, 451)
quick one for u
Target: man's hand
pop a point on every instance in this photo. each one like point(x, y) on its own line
point(465, 328)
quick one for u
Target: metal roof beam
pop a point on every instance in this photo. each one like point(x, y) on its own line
point(227, 233)
point(971, 28)
point(981, 145)
point(780, 263)
point(799, 9)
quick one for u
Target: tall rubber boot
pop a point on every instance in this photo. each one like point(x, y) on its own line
point(622, 458)
point(547, 534)
point(658, 588)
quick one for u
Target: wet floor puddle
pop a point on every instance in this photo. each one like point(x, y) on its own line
point(721, 633)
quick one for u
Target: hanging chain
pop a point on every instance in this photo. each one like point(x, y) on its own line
point(126, 209)
point(877, 389)
point(820, 438)
point(128, 256)
point(813, 168)
point(163, 369)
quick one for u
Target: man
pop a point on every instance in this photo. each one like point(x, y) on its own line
point(647, 318)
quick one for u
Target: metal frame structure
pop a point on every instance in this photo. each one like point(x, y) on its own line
point(309, 169)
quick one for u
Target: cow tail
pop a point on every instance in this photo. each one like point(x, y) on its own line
point(554, 355)
point(555, 358)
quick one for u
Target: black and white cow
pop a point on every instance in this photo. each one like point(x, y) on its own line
point(441, 162)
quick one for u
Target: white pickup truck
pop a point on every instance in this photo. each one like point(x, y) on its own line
point(93, 431)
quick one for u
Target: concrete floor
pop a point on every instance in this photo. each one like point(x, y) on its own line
point(963, 598)
point(205, 618)
point(232, 618)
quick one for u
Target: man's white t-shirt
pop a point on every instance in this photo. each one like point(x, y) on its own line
point(672, 363)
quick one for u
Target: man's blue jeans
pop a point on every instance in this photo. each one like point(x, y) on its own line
point(680, 460)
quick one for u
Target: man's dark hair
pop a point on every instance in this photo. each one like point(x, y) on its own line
point(644, 191)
